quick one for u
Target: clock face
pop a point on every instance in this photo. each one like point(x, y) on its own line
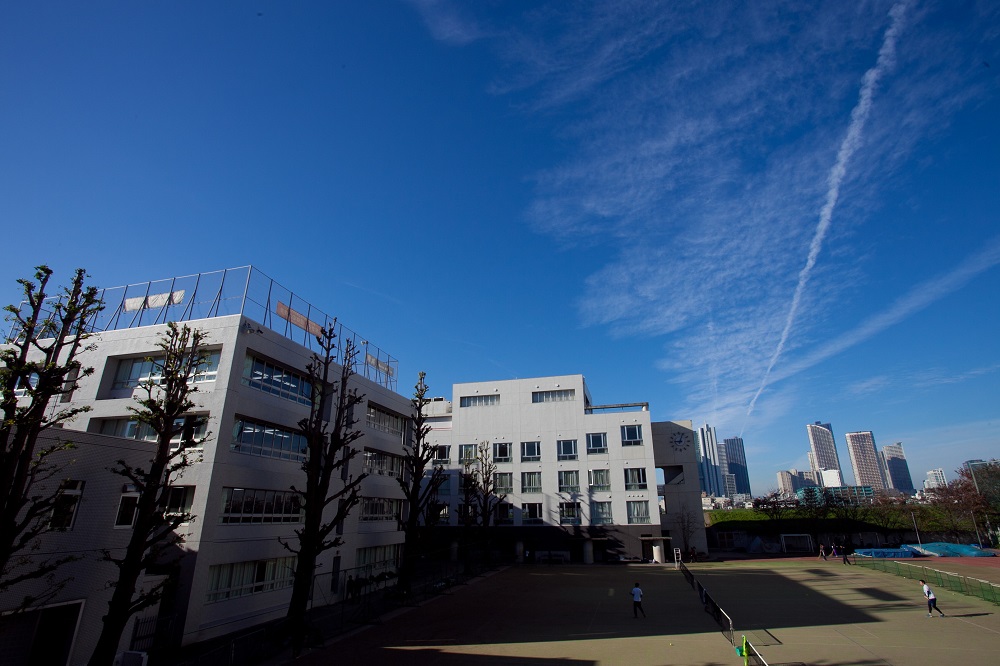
point(680, 441)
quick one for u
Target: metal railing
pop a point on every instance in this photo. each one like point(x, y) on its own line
point(244, 290)
point(973, 587)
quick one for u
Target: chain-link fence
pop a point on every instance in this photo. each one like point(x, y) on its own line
point(973, 587)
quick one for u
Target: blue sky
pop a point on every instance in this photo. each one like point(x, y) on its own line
point(756, 215)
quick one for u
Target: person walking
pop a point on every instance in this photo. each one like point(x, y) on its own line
point(931, 600)
point(637, 602)
point(822, 552)
point(847, 551)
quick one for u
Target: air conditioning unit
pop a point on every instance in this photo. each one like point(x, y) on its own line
point(133, 658)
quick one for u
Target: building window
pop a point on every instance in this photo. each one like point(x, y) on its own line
point(505, 513)
point(241, 579)
point(565, 395)
point(638, 513)
point(257, 438)
point(383, 420)
point(64, 505)
point(501, 452)
point(180, 499)
point(531, 514)
point(270, 378)
point(569, 481)
point(504, 482)
point(127, 508)
point(21, 389)
point(445, 487)
point(442, 455)
point(631, 435)
point(566, 449)
point(479, 400)
point(192, 428)
point(600, 513)
point(466, 453)
point(135, 372)
point(381, 509)
point(531, 482)
point(635, 478)
point(569, 513)
point(531, 451)
point(257, 505)
point(383, 464)
point(600, 480)
point(597, 442)
point(374, 560)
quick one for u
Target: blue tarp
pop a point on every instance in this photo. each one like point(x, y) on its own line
point(928, 549)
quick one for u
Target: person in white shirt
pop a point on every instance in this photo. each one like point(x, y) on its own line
point(637, 601)
point(931, 599)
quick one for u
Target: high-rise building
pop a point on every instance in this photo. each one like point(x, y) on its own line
point(736, 459)
point(791, 480)
point(824, 447)
point(713, 462)
point(828, 478)
point(897, 472)
point(935, 479)
point(865, 460)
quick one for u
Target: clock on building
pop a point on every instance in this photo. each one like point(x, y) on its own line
point(680, 441)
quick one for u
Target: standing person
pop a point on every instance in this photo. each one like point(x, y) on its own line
point(822, 552)
point(637, 602)
point(931, 599)
point(846, 550)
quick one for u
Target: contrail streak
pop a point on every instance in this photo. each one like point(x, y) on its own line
point(850, 144)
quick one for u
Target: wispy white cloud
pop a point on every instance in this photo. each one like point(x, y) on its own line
point(849, 146)
point(698, 141)
point(447, 22)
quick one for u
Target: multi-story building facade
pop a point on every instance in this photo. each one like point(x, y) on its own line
point(895, 468)
point(251, 397)
point(823, 447)
point(865, 459)
point(578, 480)
point(791, 480)
point(935, 479)
point(713, 462)
point(736, 460)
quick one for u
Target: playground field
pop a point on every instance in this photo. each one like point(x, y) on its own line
point(799, 611)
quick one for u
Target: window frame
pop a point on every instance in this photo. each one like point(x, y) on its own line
point(598, 449)
point(536, 457)
point(498, 448)
point(566, 449)
point(566, 478)
point(628, 440)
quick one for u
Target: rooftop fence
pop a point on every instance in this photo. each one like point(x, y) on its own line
point(245, 291)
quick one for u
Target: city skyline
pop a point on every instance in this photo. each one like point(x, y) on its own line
point(750, 215)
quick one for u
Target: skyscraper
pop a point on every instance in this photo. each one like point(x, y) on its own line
point(736, 459)
point(824, 447)
point(713, 462)
point(897, 472)
point(865, 460)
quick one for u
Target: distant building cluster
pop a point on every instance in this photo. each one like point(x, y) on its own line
point(874, 470)
point(722, 469)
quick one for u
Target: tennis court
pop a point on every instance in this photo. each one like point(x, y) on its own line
point(794, 611)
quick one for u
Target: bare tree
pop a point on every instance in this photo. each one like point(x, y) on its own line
point(329, 433)
point(689, 522)
point(420, 481)
point(39, 366)
point(485, 494)
point(772, 505)
point(164, 404)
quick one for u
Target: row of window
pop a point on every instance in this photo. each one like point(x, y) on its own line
point(135, 372)
point(566, 449)
point(240, 579)
point(570, 513)
point(598, 480)
point(270, 378)
point(492, 399)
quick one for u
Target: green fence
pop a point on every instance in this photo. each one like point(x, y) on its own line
point(973, 587)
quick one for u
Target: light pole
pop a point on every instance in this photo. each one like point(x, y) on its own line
point(915, 528)
point(979, 539)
